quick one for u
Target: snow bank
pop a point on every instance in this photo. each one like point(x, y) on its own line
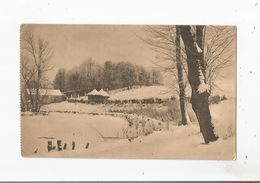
point(180, 143)
point(224, 118)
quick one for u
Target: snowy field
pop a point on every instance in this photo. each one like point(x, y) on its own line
point(72, 107)
point(145, 92)
point(164, 92)
point(80, 128)
point(98, 132)
point(176, 142)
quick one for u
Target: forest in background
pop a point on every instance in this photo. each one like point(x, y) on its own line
point(111, 75)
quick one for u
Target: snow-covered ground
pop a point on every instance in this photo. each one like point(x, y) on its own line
point(178, 142)
point(226, 87)
point(157, 91)
point(75, 122)
point(223, 87)
point(183, 142)
point(72, 107)
point(68, 127)
point(224, 118)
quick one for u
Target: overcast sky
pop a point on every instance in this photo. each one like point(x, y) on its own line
point(72, 44)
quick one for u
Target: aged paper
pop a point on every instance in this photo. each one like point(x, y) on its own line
point(128, 91)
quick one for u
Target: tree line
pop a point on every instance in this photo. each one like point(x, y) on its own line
point(111, 75)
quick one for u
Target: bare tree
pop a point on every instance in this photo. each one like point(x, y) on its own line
point(216, 41)
point(27, 72)
point(165, 40)
point(35, 63)
point(196, 77)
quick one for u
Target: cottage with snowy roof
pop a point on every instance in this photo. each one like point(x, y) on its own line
point(47, 95)
point(98, 96)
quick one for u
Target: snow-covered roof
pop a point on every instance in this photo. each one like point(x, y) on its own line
point(49, 92)
point(100, 93)
point(94, 92)
point(103, 93)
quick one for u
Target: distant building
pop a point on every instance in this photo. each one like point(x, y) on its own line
point(47, 95)
point(98, 96)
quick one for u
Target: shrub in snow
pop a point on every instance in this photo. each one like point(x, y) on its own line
point(215, 99)
point(141, 125)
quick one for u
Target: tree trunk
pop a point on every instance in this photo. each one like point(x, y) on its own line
point(37, 101)
point(199, 98)
point(31, 99)
point(199, 41)
point(180, 78)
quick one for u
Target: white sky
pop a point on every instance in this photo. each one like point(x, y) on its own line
point(72, 44)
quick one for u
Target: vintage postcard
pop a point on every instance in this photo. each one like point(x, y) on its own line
point(128, 91)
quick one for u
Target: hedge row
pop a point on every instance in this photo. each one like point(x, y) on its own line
point(212, 100)
point(131, 101)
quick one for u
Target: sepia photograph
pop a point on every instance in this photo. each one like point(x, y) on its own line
point(128, 91)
